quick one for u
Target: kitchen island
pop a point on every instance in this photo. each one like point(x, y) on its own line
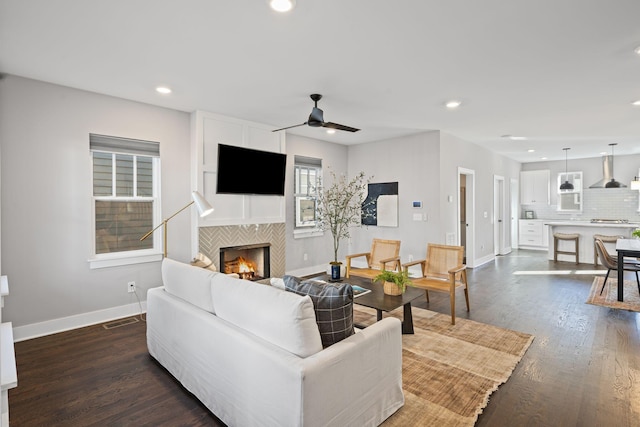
point(586, 230)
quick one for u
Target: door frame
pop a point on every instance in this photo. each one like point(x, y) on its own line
point(514, 212)
point(470, 205)
point(499, 211)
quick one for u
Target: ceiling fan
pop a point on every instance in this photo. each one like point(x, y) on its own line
point(316, 119)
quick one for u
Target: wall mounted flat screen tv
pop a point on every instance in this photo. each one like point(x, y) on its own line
point(247, 171)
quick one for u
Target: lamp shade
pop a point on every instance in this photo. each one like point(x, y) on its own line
point(204, 208)
point(635, 184)
point(612, 184)
point(566, 186)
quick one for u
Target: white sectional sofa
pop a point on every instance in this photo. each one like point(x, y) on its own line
point(252, 353)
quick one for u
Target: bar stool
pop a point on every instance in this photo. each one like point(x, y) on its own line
point(564, 236)
point(605, 239)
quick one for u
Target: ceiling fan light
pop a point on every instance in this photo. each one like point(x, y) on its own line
point(282, 5)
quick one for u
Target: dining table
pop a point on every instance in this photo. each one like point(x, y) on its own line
point(625, 248)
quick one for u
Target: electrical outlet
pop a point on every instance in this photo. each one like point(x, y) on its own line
point(304, 257)
point(131, 287)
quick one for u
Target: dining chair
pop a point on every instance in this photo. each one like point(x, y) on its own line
point(384, 255)
point(611, 263)
point(442, 271)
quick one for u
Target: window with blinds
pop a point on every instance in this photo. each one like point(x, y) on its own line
point(307, 179)
point(125, 196)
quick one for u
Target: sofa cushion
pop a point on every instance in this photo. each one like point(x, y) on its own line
point(333, 304)
point(282, 318)
point(192, 284)
point(277, 282)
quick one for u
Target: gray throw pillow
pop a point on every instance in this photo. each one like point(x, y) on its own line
point(333, 304)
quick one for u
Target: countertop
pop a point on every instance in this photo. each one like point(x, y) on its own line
point(570, 223)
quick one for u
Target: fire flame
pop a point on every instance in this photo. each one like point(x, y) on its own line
point(245, 266)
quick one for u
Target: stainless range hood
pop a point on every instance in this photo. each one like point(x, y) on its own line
point(607, 174)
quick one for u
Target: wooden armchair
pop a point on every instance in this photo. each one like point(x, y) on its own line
point(384, 255)
point(442, 271)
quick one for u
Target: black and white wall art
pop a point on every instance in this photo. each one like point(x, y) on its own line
point(380, 207)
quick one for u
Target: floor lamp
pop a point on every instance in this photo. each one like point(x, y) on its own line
point(204, 209)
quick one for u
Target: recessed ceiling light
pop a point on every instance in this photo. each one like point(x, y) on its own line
point(636, 103)
point(531, 150)
point(163, 90)
point(637, 50)
point(282, 5)
point(514, 138)
point(453, 104)
point(331, 131)
point(543, 158)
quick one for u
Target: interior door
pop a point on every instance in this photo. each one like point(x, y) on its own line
point(466, 214)
point(499, 232)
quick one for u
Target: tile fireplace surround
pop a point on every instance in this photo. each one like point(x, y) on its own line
point(213, 238)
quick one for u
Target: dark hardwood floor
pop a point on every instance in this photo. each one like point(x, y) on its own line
point(583, 368)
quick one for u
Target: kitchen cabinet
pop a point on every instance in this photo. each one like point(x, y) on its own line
point(534, 187)
point(533, 234)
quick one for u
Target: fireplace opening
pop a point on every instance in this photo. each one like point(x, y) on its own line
point(250, 262)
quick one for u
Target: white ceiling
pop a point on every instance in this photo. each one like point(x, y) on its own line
point(562, 73)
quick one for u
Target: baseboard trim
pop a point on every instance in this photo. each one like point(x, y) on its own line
point(480, 261)
point(49, 327)
point(307, 270)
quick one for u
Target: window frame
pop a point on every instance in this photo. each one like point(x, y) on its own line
point(137, 256)
point(303, 227)
point(574, 178)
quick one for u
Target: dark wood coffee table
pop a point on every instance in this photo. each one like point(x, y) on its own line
point(380, 301)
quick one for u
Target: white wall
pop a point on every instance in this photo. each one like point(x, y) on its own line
point(413, 162)
point(46, 197)
point(455, 153)
point(319, 249)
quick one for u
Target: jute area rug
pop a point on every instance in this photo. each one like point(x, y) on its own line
point(609, 297)
point(449, 372)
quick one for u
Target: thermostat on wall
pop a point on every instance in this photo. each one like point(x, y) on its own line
point(417, 204)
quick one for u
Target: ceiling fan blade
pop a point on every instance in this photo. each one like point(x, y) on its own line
point(289, 127)
point(339, 127)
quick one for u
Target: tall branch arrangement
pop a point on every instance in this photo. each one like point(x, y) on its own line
point(340, 206)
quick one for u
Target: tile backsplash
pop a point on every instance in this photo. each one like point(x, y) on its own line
point(601, 203)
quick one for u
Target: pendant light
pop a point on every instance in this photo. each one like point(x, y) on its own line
point(566, 185)
point(613, 183)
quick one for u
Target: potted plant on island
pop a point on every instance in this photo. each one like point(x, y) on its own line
point(636, 233)
point(395, 283)
point(340, 207)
